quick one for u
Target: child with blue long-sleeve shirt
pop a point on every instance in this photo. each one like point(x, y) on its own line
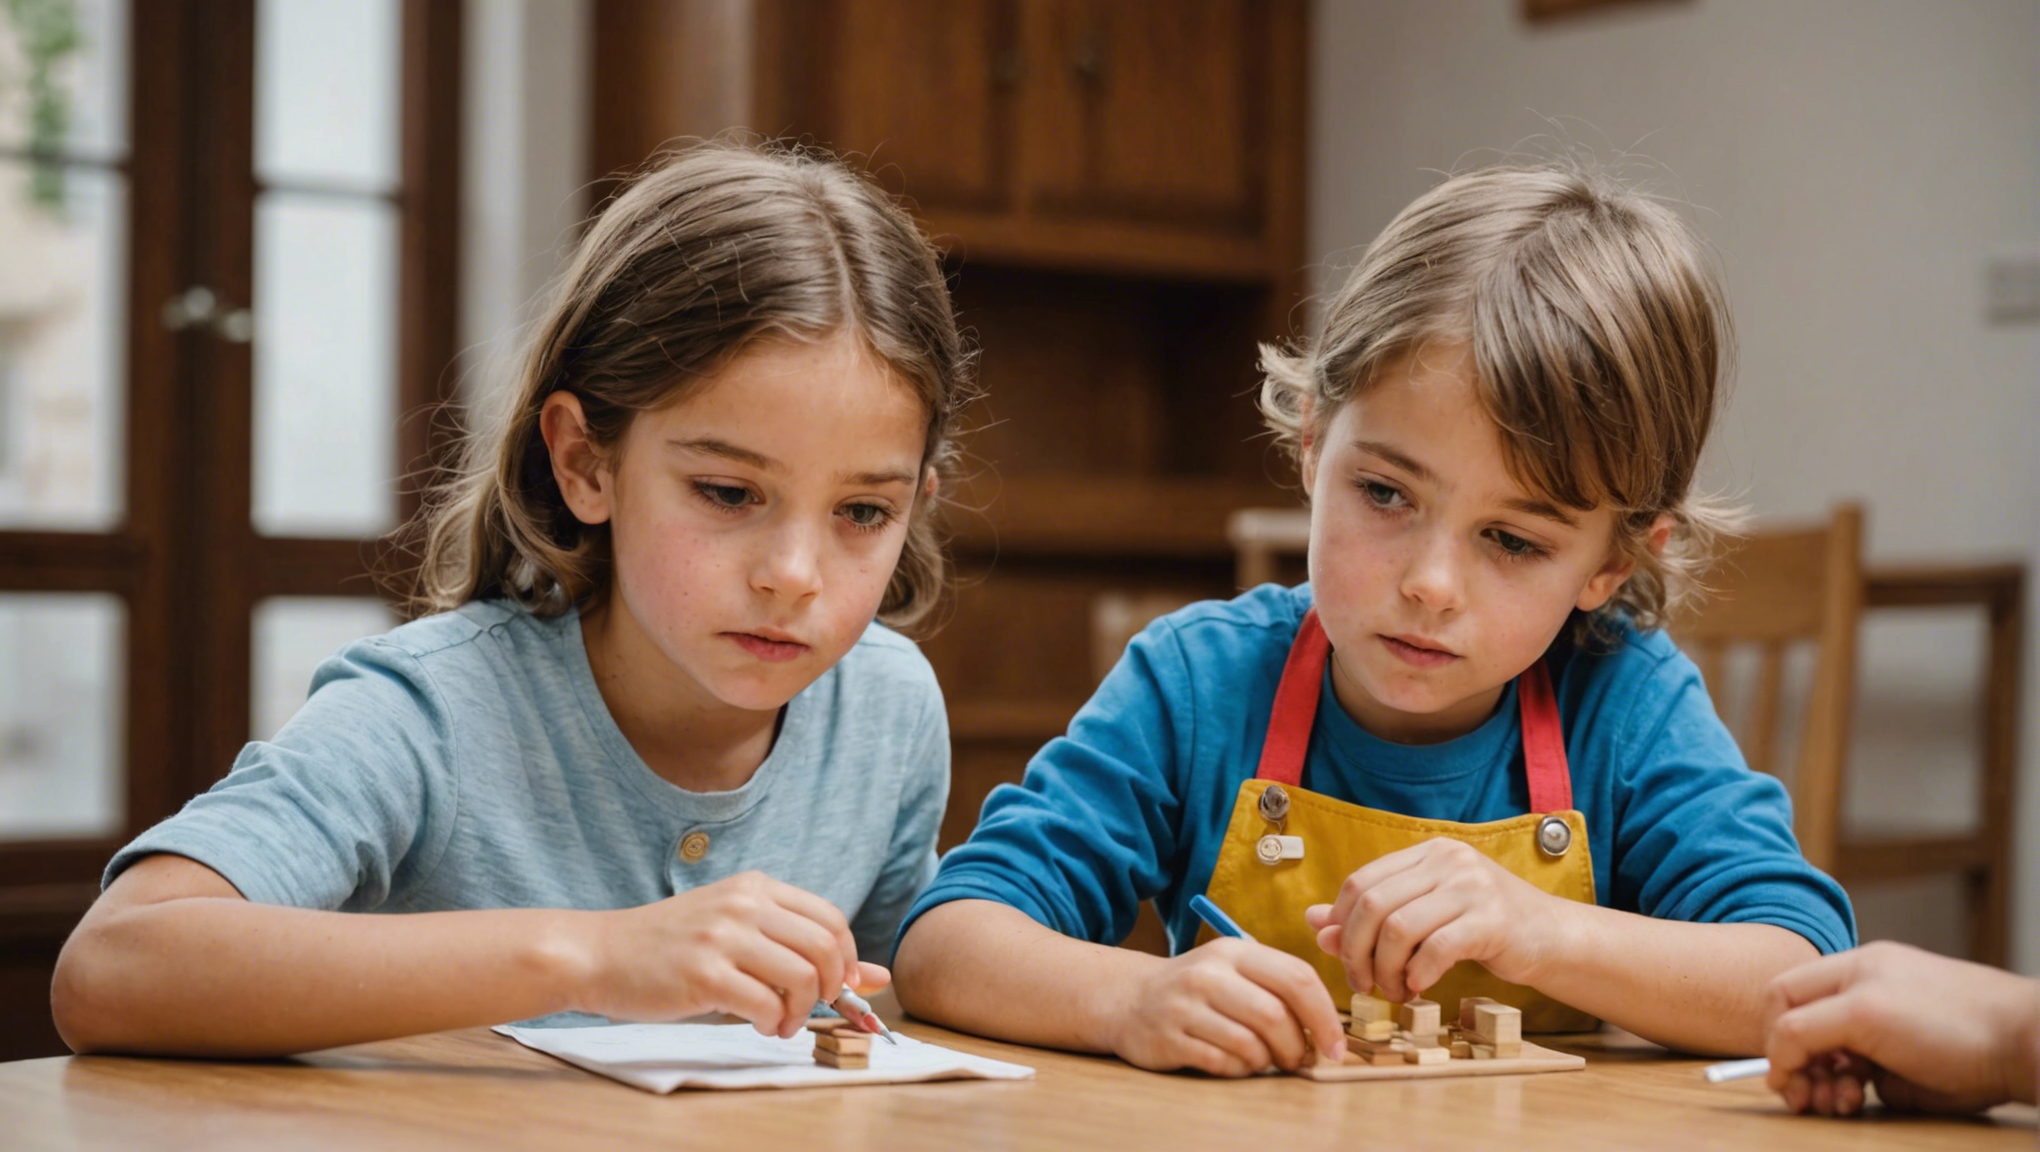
point(1464, 759)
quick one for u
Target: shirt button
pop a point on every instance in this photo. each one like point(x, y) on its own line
point(693, 846)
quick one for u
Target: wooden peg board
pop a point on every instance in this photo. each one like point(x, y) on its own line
point(1535, 1058)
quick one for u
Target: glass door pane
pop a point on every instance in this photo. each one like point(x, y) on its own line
point(61, 702)
point(293, 636)
point(63, 282)
point(327, 97)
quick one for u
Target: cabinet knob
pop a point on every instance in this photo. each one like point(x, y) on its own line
point(1008, 68)
point(1088, 62)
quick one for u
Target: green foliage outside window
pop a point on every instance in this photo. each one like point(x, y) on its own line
point(47, 32)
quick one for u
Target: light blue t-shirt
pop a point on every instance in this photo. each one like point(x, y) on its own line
point(467, 761)
point(1133, 803)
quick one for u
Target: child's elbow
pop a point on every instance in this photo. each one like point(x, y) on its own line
point(80, 995)
point(909, 971)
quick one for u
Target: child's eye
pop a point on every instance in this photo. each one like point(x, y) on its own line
point(868, 517)
point(723, 496)
point(1515, 547)
point(1380, 495)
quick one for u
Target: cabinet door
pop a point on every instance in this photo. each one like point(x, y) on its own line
point(1146, 112)
point(924, 89)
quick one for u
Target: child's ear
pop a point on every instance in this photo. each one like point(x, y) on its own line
point(579, 467)
point(1603, 585)
point(1307, 445)
point(930, 485)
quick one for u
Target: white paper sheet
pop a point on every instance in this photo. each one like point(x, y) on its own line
point(662, 1057)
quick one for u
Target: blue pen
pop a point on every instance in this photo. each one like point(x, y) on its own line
point(1220, 922)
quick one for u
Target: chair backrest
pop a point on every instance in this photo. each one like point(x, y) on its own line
point(1774, 591)
point(1117, 617)
point(1269, 544)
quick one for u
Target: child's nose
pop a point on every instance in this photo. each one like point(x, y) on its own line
point(789, 562)
point(1432, 577)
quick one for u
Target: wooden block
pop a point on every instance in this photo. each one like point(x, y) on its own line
point(819, 1024)
point(841, 1059)
point(1373, 1030)
point(844, 1043)
point(1497, 1023)
point(1418, 1016)
point(1423, 1039)
point(1508, 1050)
point(1461, 1050)
point(1431, 1055)
point(1466, 1007)
point(1483, 1051)
point(1367, 1009)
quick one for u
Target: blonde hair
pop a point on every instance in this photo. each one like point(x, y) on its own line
point(710, 248)
point(1599, 337)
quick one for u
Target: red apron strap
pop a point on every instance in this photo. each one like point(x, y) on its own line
point(1543, 742)
point(1295, 711)
point(1296, 700)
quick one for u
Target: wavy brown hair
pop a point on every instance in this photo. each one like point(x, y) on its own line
point(1599, 335)
point(709, 249)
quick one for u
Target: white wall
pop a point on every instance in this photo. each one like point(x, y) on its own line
point(1855, 162)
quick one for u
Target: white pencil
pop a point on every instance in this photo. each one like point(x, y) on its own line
point(1736, 1070)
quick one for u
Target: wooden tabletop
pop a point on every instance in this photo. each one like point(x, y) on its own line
point(474, 1089)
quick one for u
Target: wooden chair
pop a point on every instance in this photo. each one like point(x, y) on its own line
point(1810, 586)
point(1776, 590)
point(1269, 544)
point(1117, 617)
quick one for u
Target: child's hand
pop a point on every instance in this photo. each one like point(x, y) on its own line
point(749, 946)
point(1230, 1008)
point(1405, 919)
point(1933, 1034)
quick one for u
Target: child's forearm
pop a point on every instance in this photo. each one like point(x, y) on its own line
point(218, 976)
point(984, 967)
point(1694, 987)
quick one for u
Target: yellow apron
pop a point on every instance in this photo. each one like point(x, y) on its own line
point(1287, 848)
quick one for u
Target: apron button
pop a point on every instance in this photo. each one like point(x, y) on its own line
point(1554, 836)
point(1274, 803)
point(1276, 849)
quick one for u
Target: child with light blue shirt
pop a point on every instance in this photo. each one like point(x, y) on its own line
point(652, 756)
point(1464, 759)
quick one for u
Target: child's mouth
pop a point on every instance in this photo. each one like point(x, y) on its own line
point(1417, 654)
point(765, 648)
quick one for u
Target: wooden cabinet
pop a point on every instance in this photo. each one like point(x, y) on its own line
point(1118, 184)
point(1103, 135)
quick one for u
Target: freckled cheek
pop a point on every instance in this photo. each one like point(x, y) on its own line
point(675, 564)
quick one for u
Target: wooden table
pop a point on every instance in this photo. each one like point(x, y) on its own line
point(473, 1089)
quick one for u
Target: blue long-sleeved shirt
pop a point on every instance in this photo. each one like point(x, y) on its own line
point(1132, 804)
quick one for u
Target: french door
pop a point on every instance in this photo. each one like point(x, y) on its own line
point(227, 315)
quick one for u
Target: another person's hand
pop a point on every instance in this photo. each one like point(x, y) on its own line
point(749, 946)
point(1402, 921)
point(1231, 1008)
point(1933, 1034)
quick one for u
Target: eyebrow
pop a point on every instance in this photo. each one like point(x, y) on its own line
point(710, 446)
point(1541, 508)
